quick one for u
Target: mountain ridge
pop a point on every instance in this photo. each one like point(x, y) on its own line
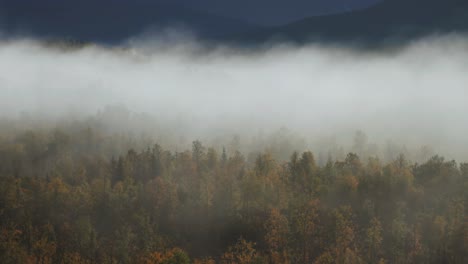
point(109, 24)
point(389, 21)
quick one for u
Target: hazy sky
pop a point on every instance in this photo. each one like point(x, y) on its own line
point(417, 94)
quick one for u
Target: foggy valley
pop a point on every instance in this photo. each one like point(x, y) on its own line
point(178, 132)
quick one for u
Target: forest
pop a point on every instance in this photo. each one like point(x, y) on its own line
point(233, 132)
point(79, 194)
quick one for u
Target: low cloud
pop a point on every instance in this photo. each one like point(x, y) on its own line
point(416, 95)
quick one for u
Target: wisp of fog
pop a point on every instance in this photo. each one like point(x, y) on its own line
point(416, 95)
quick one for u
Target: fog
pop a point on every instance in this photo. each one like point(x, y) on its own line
point(414, 95)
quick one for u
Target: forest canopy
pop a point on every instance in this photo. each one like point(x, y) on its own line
point(76, 192)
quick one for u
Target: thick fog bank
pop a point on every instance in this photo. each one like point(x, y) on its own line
point(414, 96)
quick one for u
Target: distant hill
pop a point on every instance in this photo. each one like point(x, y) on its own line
point(272, 12)
point(389, 21)
point(261, 12)
point(113, 21)
point(108, 21)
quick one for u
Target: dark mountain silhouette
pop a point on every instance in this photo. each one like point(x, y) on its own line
point(273, 12)
point(113, 21)
point(108, 21)
point(391, 21)
point(264, 12)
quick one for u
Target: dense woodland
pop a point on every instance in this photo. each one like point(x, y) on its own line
point(66, 196)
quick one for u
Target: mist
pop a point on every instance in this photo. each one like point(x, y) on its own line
point(414, 95)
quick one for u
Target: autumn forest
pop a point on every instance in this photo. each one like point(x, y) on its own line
point(81, 195)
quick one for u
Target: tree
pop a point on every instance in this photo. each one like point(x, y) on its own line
point(373, 241)
point(305, 220)
point(243, 252)
point(172, 256)
point(344, 250)
point(360, 143)
point(11, 250)
point(276, 237)
point(198, 153)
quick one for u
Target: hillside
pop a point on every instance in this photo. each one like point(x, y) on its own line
point(108, 21)
point(389, 21)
